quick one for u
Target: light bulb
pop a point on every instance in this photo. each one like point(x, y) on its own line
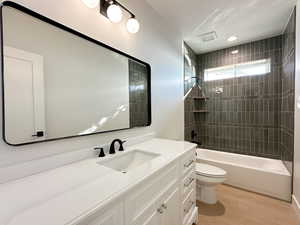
point(91, 3)
point(114, 13)
point(133, 25)
point(232, 38)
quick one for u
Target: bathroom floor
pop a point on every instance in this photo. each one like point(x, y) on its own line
point(239, 207)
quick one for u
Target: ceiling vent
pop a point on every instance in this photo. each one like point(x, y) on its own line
point(210, 36)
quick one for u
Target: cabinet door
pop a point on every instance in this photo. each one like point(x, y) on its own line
point(153, 218)
point(149, 196)
point(171, 205)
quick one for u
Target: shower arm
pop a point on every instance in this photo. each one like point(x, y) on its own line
point(197, 82)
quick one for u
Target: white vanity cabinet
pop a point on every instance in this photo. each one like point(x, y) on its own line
point(112, 215)
point(149, 201)
point(171, 211)
point(163, 211)
point(167, 197)
point(189, 210)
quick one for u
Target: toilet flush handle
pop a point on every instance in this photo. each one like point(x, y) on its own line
point(189, 163)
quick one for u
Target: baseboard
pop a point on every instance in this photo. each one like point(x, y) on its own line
point(296, 205)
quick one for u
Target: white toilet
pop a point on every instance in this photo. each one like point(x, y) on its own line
point(208, 177)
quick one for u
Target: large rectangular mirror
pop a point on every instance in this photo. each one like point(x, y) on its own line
point(58, 83)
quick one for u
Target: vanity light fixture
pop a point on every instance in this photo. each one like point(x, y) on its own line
point(113, 11)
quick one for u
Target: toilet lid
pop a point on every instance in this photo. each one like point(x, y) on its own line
point(208, 170)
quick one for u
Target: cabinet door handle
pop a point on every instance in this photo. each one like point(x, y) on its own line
point(189, 163)
point(160, 210)
point(164, 206)
point(189, 182)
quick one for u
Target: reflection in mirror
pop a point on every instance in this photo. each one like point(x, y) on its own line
point(138, 94)
point(57, 84)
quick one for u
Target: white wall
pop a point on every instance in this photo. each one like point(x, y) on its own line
point(297, 110)
point(155, 44)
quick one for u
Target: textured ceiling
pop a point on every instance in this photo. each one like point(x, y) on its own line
point(247, 19)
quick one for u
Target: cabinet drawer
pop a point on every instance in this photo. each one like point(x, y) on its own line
point(144, 196)
point(188, 183)
point(188, 204)
point(188, 162)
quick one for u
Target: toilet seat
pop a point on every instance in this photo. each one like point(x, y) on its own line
point(209, 171)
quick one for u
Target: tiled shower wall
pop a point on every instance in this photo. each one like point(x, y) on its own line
point(138, 94)
point(253, 115)
point(244, 118)
point(288, 93)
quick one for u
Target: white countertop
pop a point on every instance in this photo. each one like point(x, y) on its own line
point(67, 194)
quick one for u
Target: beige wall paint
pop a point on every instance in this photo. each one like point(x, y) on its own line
point(297, 110)
point(156, 44)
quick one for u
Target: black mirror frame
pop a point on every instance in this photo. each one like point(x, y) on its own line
point(72, 31)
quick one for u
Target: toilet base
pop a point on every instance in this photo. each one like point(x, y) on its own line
point(207, 194)
point(208, 177)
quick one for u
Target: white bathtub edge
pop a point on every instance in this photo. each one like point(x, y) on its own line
point(284, 173)
point(251, 178)
point(296, 205)
point(234, 181)
point(255, 189)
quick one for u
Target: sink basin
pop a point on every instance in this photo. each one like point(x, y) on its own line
point(129, 160)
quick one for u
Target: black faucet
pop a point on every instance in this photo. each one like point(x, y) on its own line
point(101, 151)
point(112, 146)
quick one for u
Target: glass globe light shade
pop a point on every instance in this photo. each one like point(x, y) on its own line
point(133, 25)
point(114, 13)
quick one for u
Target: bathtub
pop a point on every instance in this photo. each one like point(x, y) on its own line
point(265, 176)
